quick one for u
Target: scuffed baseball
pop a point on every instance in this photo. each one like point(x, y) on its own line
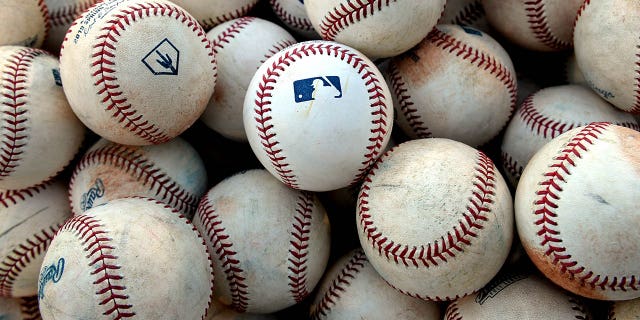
point(518, 296)
point(23, 22)
point(294, 15)
point(19, 308)
point(210, 13)
point(39, 132)
point(61, 15)
point(379, 29)
point(624, 310)
point(269, 243)
point(435, 218)
point(548, 113)
point(465, 12)
point(132, 86)
point(576, 209)
point(241, 46)
point(458, 83)
point(317, 115)
point(130, 257)
point(352, 289)
point(540, 25)
point(171, 172)
point(29, 219)
point(606, 50)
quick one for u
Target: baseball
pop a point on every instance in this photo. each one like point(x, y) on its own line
point(435, 218)
point(294, 15)
point(241, 46)
point(23, 22)
point(625, 310)
point(318, 129)
point(458, 83)
point(379, 29)
point(573, 74)
point(576, 211)
point(465, 12)
point(61, 14)
point(132, 86)
point(130, 257)
point(210, 13)
point(540, 25)
point(19, 309)
point(171, 172)
point(606, 50)
point(548, 113)
point(39, 132)
point(269, 243)
point(29, 218)
point(517, 295)
point(352, 289)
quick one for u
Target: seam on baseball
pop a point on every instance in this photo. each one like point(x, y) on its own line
point(11, 197)
point(580, 10)
point(230, 32)
point(45, 14)
point(511, 165)
point(21, 255)
point(102, 262)
point(144, 170)
point(547, 198)
point(299, 248)
point(453, 312)
point(541, 124)
point(106, 80)
point(406, 104)
point(29, 308)
point(340, 17)
point(469, 14)
point(635, 109)
point(67, 14)
point(279, 46)
point(303, 24)
point(339, 285)
point(430, 298)
point(241, 12)
point(537, 19)
point(223, 249)
point(578, 306)
point(433, 254)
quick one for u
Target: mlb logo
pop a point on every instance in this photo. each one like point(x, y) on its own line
point(311, 88)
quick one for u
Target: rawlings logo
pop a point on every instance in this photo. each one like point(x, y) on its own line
point(51, 273)
point(313, 88)
point(95, 192)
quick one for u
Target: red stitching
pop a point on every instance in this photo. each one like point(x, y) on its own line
point(406, 105)
point(449, 244)
point(229, 33)
point(340, 17)
point(636, 107)
point(580, 10)
point(429, 298)
point(511, 165)
point(20, 257)
point(480, 59)
point(453, 312)
point(12, 197)
point(303, 24)
point(29, 308)
point(14, 85)
point(300, 247)
point(539, 26)
point(99, 248)
point(580, 307)
point(339, 284)
point(241, 12)
point(66, 15)
point(539, 123)
point(469, 14)
point(45, 14)
point(262, 109)
point(131, 162)
point(107, 81)
point(225, 254)
point(547, 199)
point(279, 46)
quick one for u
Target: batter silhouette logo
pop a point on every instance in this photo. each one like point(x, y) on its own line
point(164, 59)
point(317, 87)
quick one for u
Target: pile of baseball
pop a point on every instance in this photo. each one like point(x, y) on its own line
point(319, 159)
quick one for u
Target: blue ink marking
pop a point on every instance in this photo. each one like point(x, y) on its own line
point(95, 192)
point(164, 59)
point(309, 89)
point(56, 77)
point(471, 31)
point(51, 273)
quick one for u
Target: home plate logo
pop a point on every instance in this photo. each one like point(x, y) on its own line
point(164, 59)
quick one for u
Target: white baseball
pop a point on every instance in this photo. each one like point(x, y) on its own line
point(435, 218)
point(548, 113)
point(171, 172)
point(62, 13)
point(606, 28)
point(269, 243)
point(23, 22)
point(518, 296)
point(573, 74)
point(458, 83)
point(294, 15)
point(29, 218)
point(132, 86)
point(19, 308)
point(576, 209)
point(352, 289)
point(39, 132)
point(210, 13)
point(132, 257)
point(241, 46)
point(540, 25)
point(465, 12)
point(625, 310)
point(379, 29)
point(318, 128)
